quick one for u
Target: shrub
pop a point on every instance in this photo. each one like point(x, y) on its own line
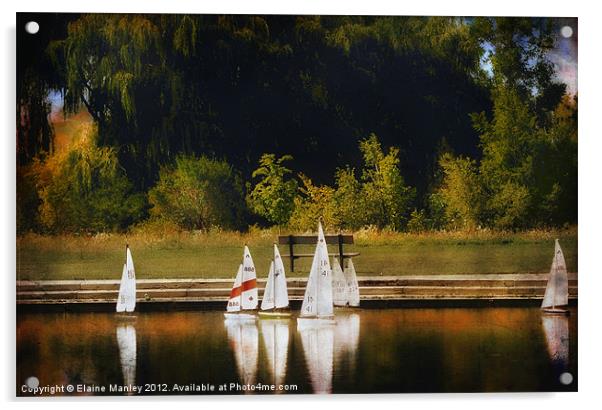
point(349, 200)
point(461, 191)
point(315, 202)
point(418, 221)
point(387, 198)
point(198, 193)
point(273, 197)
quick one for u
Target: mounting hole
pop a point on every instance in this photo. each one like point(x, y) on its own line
point(566, 378)
point(32, 27)
point(566, 31)
point(32, 382)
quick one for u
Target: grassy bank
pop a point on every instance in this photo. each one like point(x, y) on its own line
point(217, 254)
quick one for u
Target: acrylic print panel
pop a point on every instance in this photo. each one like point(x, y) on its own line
point(433, 158)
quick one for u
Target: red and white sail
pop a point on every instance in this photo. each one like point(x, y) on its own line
point(234, 304)
point(249, 297)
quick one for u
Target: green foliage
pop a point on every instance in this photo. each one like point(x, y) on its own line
point(85, 190)
point(520, 45)
point(314, 203)
point(436, 211)
point(274, 194)
point(555, 166)
point(509, 142)
point(386, 197)
point(349, 199)
point(461, 192)
point(527, 175)
point(167, 86)
point(198, 193)
point(418, 221)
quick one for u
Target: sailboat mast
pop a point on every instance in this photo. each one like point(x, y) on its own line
point(319, 271)
point(555, 274)
point(274, 276)
point(242, 276)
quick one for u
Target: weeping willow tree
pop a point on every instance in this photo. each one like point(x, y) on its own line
point(119, 67)
point(83, 189)
point(139, 78)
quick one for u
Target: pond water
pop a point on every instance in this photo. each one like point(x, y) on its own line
point(367, 351)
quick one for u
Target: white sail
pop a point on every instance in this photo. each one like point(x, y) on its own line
point(318, 293)
point(268, 294)
point(126, 299)
point(249, 282)
point(339, 285)
point(280, 285)
point(121, 297)
point(275, 340)
point(318, 349)
point(309, 307)
point(126, 341)
point(235, 293)
point(556, 330)
point(353, 289)
point(557, 290)
point(131, 280)
point(244, 341)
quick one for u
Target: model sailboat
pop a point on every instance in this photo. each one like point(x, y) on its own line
point(243, 296)
point(126, 300)
point(339, 284)
point(275, 296)
point(344, 285)
point(353, 289)
point(317, 302)
point(556, 298)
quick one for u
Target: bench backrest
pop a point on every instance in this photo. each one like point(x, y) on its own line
point(312, 239)
point(292, 240)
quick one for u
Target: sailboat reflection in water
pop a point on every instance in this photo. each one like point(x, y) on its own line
point(126, 341)
point(346, 342)
point(317, 339)
point(244, 341)
point(556, 329)
point(275, 339)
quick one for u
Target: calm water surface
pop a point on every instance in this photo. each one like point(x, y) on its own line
point(367, 351)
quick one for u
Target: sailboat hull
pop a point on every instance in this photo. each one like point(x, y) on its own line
point(126, 316)
point(240, 316)
point(556, 311)
point(274, 315)
point(309, 322)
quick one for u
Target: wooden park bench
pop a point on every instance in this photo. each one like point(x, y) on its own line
point(292, 240)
